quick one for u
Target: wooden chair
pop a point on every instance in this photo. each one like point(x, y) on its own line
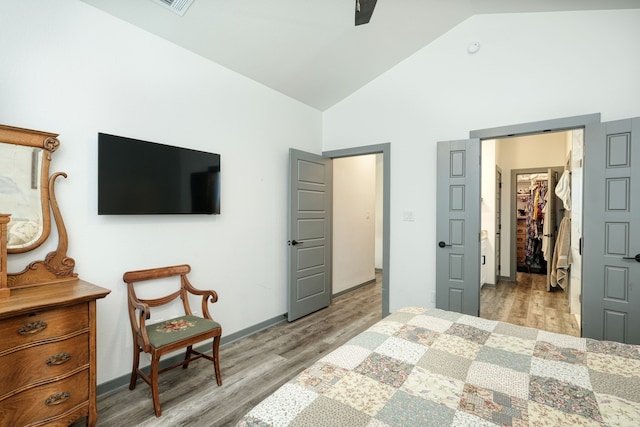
point(174, 334)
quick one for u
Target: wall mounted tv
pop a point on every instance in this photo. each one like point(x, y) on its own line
point(140, 177)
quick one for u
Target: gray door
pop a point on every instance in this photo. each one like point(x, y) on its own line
point(458, 226)
point(309, 245)
point(611, 232)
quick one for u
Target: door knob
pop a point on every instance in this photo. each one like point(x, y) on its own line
point(637, 257)
point(294, 242)
point(442, 244)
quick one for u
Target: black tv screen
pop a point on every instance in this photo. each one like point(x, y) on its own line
point(140, 177)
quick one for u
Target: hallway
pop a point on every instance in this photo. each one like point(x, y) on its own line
point(527, 302)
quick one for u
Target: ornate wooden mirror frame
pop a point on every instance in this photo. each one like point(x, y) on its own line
point(56, 267)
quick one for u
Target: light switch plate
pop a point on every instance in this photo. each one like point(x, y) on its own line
point(408, 216)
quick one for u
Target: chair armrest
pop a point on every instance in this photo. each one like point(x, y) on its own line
point(136, 304)
point(143, 308)
point(208, 296)
point(138, 326)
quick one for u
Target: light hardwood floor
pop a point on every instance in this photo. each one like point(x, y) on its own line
point(255, 366)
point(527, 302)
point(252, 368)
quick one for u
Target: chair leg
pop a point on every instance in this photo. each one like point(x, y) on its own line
point(134, 370)
point(155, 362)
point(187, 357)
point(216, 359)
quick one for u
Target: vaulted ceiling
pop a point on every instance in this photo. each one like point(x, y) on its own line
point(311, 50)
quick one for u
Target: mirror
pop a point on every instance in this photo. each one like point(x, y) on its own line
point(27, 203)
point(21, 195)
point(24, 192)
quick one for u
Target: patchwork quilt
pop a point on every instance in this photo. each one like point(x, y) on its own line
point(429, 367)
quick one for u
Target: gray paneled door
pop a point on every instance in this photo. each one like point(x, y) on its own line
point(458, 226)
point(309, 245)
point(611, 252)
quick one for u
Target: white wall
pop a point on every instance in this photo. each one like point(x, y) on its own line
point(354, 217)
point(521, 74)
point(71, 69)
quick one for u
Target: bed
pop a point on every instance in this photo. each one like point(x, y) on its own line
point(429, 367)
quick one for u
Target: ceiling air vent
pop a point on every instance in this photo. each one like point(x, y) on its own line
point(177, 6)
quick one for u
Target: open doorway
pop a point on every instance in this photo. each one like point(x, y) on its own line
point(512, 219)
point(357, 221)
point(380, 214)
point(309, 261)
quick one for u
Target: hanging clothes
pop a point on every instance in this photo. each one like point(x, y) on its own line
point(563, 189)
point(534, 222)
point(531, 227)
point(562, 255)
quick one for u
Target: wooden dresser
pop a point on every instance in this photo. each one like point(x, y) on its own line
point(48, 354)
point(47, 314)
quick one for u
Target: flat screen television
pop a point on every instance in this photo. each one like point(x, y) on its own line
point(139, 177)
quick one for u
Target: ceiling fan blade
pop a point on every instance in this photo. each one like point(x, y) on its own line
point(364, 10)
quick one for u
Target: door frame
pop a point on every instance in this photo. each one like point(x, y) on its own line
point(385, 150)
point(532, 128)
point(512, 233)
point(497, 265)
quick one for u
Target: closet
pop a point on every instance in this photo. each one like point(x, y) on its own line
point(532, 227)
point(543, 224)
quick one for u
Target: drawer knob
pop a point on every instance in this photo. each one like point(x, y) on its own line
point(57, 398)
point(32, 328)
point(58, 359)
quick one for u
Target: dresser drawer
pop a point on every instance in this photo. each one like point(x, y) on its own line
point(42, 325)
point(42, 362)
point(46, 401)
